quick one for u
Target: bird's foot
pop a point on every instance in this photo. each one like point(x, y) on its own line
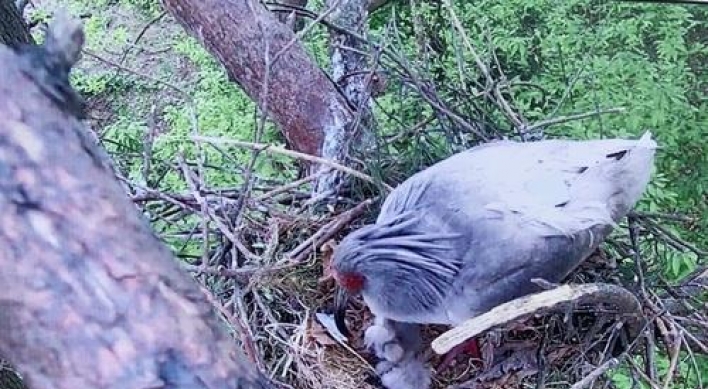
point(384, 343)
point(470, 347)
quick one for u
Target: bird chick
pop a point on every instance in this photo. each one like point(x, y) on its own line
point(410, 373)
point(393, 341)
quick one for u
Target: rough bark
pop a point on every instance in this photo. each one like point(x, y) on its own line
point(351, 69)
point(13, 30)
point(90, 297)
point(301, 99)
point(8, 378)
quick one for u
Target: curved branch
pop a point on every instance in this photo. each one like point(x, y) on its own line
point(553, 299)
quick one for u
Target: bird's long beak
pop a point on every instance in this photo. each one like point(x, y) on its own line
point(341, 301)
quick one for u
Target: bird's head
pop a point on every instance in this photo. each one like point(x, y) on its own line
point(391, 261)
point(348, 268)
point(349, 262)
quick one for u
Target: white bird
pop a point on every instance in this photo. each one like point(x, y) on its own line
point(472, 231)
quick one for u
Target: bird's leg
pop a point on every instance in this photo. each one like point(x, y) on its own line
point(469, 347)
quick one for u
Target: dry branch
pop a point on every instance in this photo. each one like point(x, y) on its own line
point(293, 154)
point(538, 303)
point(595, 374)
point(90, 297)
point(301, 252)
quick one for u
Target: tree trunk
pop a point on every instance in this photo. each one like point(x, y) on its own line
point(90, 297)
point(13, 30)
point(350, 66)
point(314, 116)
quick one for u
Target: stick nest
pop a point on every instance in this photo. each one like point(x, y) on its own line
point(267, 276)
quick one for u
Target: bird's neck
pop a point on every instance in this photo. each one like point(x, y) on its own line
point(410, 271)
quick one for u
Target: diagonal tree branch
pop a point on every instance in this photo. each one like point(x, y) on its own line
point(90, 297)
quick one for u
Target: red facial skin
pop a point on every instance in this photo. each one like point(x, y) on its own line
point(350, 281)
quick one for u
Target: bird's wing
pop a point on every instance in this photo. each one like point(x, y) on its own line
point(500, 266)
point(552, 187)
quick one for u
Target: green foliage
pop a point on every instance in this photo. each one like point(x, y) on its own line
point(690, 372)
point(148, 7)
point(568, 57)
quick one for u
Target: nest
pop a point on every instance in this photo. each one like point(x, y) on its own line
point(268, 277)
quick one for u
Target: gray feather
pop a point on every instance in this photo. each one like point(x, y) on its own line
point(471, 231)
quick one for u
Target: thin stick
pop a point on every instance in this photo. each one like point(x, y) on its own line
point(304, 31)
point(246, 339)
point(595, 374)
point(675, 350)
point(243, 274)
point(223, 228)
point(302, 251)
point(270, 149)
point(570, 118)
point(292, 185)
point(136, 73)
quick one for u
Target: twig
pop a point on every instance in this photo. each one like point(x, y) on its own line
point(239, 318)
point(136, 73)
point(702, 346)
point(289, 186)
point(304, 31)
point(595, 374)
point(639, 371)
point(518, 122)
point(242, 275)
point(649, 350)
point(263, 104)
point(568, 118)
point(302, 251)
point(675, 349)
point(234, 320)
point(141, 34)
point(636, 254)
point(659, 215)
point(671, 238)
point(290, 153)
point(223, 228)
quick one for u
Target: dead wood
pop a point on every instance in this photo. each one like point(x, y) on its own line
point(90, 297)
point(543, 302)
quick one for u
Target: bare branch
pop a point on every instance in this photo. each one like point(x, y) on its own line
point(537, 303)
